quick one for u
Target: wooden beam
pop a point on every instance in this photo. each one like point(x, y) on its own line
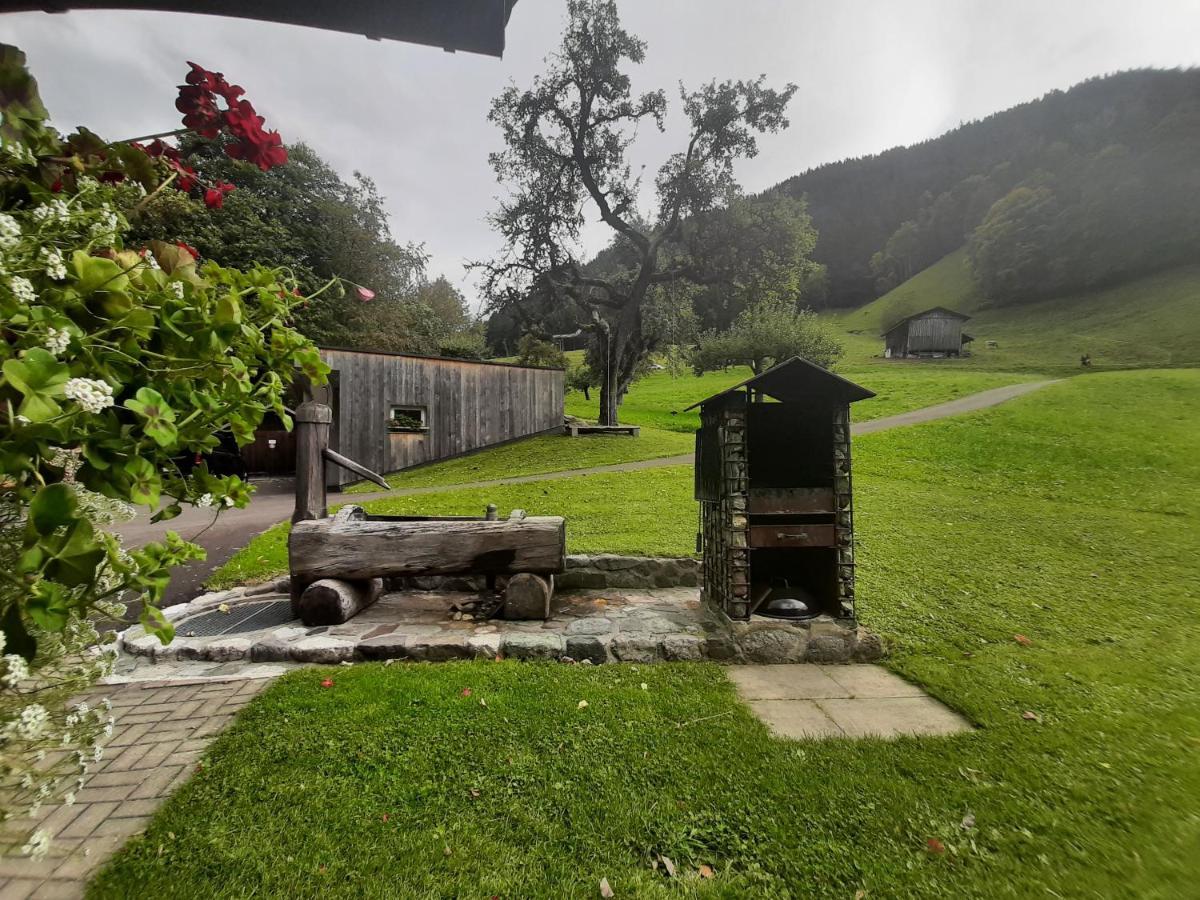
point(346, 463)
point(360, 549)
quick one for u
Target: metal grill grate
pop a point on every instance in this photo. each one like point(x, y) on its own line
point(250, 617)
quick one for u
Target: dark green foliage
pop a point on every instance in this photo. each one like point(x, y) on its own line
point(305, 218)
point(764, 335)
point(534, 352)
point(944, 187)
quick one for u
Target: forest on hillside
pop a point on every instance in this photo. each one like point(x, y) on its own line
point(1079, 189)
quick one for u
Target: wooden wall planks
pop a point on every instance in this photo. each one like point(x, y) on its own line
point(468, 405)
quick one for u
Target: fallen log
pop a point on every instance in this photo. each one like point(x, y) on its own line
point(333, 601)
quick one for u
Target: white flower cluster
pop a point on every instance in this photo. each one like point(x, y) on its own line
point(55, 267)
point(32, 722)
point(204, 501)
point(19, 152)
point(90, 393)
point(57, 340)
point(107, 225)
point(10, 231)
point(38, 844)
point(16, 670)
point(150, 260)
point(22, 289)
point(54, 211)
point(177, 289)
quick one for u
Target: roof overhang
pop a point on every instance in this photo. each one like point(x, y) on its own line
point(475, 26)
point(795, 381)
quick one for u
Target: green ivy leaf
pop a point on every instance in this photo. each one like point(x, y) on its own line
point(309, 361)
point(74, 555)
point(153, 620)
point(49, 606)
point(53, 507)
point(40, 379)
point(159, 417)
point(95, 273)
point(229, 310)
point(167, 512)
point(145, 484)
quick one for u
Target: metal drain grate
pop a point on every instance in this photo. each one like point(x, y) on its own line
point(250, 617)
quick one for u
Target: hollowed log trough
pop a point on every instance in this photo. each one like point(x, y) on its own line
point(338, 564)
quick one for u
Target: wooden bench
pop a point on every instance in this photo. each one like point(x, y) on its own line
point(575, 430)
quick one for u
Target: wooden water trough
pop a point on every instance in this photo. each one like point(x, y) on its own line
point(338, 564)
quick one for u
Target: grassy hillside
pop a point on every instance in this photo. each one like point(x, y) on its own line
point(1150, 322)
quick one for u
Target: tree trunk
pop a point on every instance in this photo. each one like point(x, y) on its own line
point(622, 348)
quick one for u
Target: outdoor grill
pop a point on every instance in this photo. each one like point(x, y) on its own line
point(773, 481)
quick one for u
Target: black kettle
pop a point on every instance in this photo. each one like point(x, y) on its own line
point(786, 602)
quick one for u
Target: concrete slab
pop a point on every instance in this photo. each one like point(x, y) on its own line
point(797, 719)
point(870, 681)
point(893, 716)
point(786, 682)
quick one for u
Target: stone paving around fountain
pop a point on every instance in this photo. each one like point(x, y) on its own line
point(587, 626)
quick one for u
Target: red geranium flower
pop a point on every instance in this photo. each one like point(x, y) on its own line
point(192, 250)
point(328, 682)
point(200, 112)
point(214, 197)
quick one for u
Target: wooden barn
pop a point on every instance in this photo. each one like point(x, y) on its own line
point(936, 332)
point(392, 411)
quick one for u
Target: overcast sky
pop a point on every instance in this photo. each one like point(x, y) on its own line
point(871, 75)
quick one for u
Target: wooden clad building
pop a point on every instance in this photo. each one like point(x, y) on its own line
point(931, 333)
point(395, 410)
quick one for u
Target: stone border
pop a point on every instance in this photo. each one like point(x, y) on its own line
point(611, 637)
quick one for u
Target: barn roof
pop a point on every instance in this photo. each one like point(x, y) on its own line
point(938, 309)
point(795, 380)
point(476, 26)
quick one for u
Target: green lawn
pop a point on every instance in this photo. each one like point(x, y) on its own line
point(537, 455)
point(1148, 322)
point(1068, 517)
point(659, 399)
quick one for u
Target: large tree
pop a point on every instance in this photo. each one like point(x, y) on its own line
point(566, 139)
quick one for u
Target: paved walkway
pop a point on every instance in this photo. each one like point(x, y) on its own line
point(813, 701)
point(162, 729)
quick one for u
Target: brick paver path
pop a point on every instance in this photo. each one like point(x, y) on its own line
point(160, 732)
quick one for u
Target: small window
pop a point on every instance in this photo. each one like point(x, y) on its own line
point(407, 418)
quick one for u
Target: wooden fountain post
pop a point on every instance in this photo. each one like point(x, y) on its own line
point(313, 421)
point(327, 601)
